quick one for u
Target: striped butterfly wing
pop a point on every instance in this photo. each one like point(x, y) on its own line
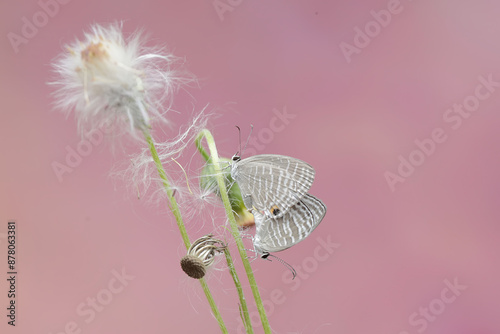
point(277, 234)
point(272, 183)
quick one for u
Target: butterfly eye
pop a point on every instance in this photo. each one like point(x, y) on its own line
point(236, 158)
point(275, 210)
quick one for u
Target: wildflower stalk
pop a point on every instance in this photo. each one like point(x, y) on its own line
point(178, 218)
point(244, 308)
point(214, 158)
point(245, 315)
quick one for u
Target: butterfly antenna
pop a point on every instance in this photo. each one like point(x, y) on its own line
point(239, 138)
point(248, 139)
point(283, 262)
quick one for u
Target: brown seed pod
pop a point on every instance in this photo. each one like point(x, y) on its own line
point(193, 266)
point(201, 255)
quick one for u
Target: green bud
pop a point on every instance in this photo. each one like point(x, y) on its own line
point(208, 182)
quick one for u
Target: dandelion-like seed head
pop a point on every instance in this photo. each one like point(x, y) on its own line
point(109, 80)
point(201, 255)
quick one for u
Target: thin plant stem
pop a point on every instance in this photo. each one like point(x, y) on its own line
point(245, 315)
point(200, 148)
point(244, 308)
point(234, 226)
point(178, 218)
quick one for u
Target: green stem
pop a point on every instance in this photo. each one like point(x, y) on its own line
point(246, 316)
point(201, 149)
point(234, 226)
point(178, 218)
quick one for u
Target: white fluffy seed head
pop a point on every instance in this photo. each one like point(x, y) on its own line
point(109, 80)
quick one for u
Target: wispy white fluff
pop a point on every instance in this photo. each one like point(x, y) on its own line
point(109, 80)
point(200, 207)
point(143, 174)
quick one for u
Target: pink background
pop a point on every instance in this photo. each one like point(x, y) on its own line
point(352, 122)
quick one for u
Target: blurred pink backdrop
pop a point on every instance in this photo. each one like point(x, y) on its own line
point(397, 250)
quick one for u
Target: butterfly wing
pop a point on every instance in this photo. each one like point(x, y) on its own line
point(272, 183)
point(277, 234)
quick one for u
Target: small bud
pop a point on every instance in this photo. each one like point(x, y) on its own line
point(208, 182)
